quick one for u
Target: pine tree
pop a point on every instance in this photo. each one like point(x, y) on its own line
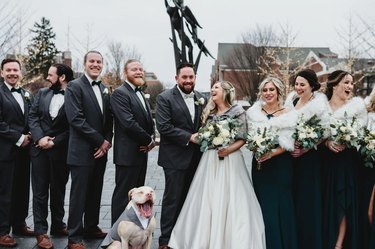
point(41, 51)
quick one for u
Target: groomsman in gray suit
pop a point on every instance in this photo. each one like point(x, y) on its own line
point(49, 175)
point(178, 119)
point(134, 135)
point(14, 157)
point(87, 107)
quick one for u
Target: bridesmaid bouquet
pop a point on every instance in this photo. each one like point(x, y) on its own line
point(308, 132)
point(346, 132)
point(261, 141)
point(218, 133)
point(367, 148)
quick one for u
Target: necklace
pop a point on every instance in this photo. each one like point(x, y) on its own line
point(270, 115)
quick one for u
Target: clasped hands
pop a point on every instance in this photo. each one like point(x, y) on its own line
point(45, 143)
point(102, 150)
point(334, 146)
point(298, 151)
point(147, 148)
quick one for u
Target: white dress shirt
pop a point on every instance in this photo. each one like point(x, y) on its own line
point(97, 92)
point(57, 102)
point(189, 101)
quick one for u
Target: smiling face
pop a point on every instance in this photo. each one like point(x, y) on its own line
point(269, 93)
point(186, 79)
point(344, 89)
point(134, 73)
point(93, 65)
point(217, 93)
point(11, 73)
point(302, 87)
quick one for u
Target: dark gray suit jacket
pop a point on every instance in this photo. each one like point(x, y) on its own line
point(175, 126)
point(134, 126)
point(41, 124)
point(89, 127)
point(13, 123)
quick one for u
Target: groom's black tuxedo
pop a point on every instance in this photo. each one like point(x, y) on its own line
point(89, 127)
point(134, 127)
point(49, 173)
point(14, 160)
point(178, 157)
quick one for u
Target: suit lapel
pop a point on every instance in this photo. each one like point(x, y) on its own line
point(15, 105)
point(46, 101)
point(180, 101)
point(134, 95)
point(198, 111)
point(90, 91)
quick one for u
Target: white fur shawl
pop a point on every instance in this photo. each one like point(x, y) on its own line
point(353, 108)
point(285, 124)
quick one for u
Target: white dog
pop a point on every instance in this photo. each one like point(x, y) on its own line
point(136, 224)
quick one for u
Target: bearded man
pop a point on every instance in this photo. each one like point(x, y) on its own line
point(134, 135)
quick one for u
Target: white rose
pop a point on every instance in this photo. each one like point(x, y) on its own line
point(147, 95)
point(105, 91)
point(218, 141)
point(333, 132)
point(370, 146)
point(343, 128)
point(27, 94)
point(372, 133)
point(225, 133)
point(302, 135)
point(206, 134)
point(347, 138)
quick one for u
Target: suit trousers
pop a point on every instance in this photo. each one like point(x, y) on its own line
point(6, 180)
point(21, 188)
point(49, 176)
point(177, 183)
point(85, 197)
point(127, 177)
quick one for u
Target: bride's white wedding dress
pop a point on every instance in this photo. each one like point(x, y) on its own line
point(221, 210)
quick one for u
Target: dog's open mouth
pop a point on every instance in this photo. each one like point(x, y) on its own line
point(146, 208)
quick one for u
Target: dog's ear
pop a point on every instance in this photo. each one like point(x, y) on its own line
point(130, 193)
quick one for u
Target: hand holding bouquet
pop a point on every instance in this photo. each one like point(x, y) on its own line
point(308, 132)
point(261, 141)
point(367, 148)
point(346, 132)
point(218, 133)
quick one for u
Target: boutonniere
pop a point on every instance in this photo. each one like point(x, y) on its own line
point(200, 101)
point(147, 96)
point(106, 91)
point(27, 96)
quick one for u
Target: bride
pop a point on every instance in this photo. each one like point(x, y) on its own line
point(221, 210)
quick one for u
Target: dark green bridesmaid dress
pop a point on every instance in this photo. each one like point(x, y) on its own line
point(273, 187)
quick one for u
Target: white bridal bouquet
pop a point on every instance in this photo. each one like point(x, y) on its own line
point(308, 132)
point(261, 141)
point(367, 148)
point(346, 132)
point(218, 133)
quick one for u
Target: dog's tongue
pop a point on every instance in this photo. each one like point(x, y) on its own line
point(146, 210)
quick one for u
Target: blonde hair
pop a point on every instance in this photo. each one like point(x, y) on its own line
point(371, 103)
point(229, 96)
point(280, 88)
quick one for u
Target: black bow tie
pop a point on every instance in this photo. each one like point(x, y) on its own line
point(95, 83)
point(58, 91)
point(138, 89)
point(15, 90)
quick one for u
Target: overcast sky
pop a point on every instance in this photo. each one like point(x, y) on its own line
point(146, 25)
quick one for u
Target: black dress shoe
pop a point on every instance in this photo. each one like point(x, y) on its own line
point(23, 231)
point(59, 232)
point(97, 233)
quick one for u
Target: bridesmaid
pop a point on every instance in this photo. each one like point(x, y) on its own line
point(273, 182)
point(367, 177)
point(341, 168)
point(307, 163)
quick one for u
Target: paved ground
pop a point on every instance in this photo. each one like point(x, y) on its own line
point(154, 178)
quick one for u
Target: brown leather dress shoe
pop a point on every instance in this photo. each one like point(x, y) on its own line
point(79, 245)
point(95, 234)
point(59, 232)
point(163, 247)
point(44, 241)
point(23, 231)
point(7, 241)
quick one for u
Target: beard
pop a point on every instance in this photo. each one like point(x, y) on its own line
point(137, 81)
point(186, 88)
point(56, 85)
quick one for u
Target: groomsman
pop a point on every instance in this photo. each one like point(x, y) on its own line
point(177, 119)
point(87, 108)
point(134, 135)
point(14, 157)
point(49, 175)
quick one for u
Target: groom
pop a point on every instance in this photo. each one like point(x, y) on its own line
point(177, 118)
